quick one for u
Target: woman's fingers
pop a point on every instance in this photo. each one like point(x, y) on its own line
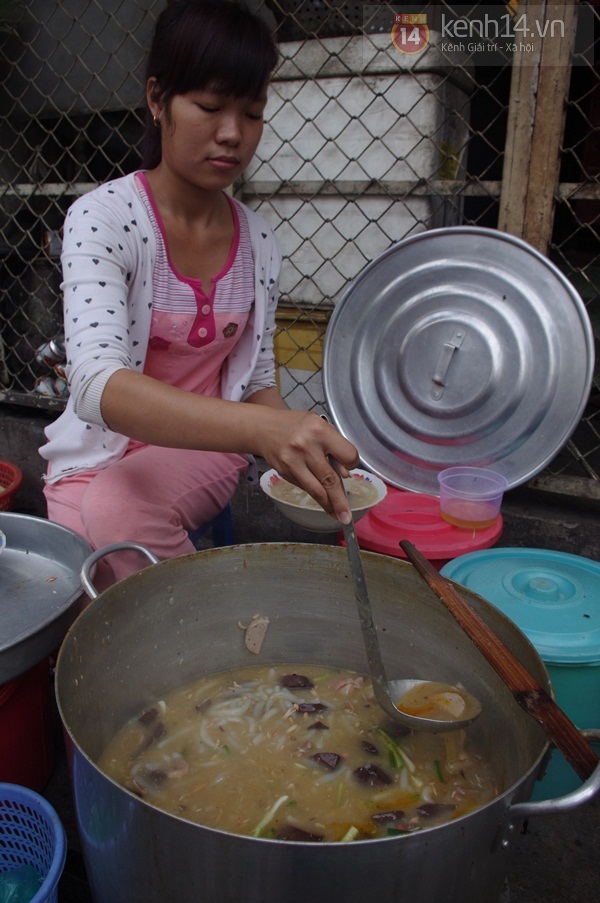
point(326, 488)
point(304, 461)
point(343, 513)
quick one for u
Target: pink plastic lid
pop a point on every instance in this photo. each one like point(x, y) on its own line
point(416, 517)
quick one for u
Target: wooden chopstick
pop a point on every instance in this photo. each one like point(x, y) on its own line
point(525, 688)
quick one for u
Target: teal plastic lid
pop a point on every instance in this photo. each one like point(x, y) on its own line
point(553, 597)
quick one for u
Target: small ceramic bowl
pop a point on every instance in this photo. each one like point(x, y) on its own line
point(471, 497)
point(303, 511)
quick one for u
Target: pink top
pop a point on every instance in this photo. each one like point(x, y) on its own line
point(193, 330)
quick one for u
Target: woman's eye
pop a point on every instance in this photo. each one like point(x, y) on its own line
point(208, 109)
point(257, 117)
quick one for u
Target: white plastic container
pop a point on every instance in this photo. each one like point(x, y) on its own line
point(471, 497)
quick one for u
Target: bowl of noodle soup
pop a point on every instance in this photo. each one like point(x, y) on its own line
point(364, 491)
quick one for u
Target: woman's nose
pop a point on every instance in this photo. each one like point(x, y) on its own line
point(229, 130)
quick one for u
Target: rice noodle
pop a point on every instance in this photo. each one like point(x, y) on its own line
point(241, 752)
point(341, 772)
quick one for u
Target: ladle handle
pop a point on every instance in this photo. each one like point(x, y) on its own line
point(365, 615)
point(525, 688)
point(367, 625)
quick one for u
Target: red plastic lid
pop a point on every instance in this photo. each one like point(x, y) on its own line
point(416, 517)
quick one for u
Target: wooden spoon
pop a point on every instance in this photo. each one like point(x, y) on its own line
point(524, 687)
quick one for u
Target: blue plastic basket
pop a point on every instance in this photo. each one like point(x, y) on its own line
point(31, 838)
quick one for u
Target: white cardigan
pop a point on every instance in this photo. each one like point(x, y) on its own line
point(109, 253)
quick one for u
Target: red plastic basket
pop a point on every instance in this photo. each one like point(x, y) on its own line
point(10, 480)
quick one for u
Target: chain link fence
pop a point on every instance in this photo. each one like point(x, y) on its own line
point(364, 144)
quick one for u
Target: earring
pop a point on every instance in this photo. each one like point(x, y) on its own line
point(156, 121)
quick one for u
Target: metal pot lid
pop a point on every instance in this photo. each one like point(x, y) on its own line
point(461, 345)
point(39, 589)
point(553, 597)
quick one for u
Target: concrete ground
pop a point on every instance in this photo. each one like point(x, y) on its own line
point(558, 856)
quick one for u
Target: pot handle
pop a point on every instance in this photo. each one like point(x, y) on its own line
point(84, 574)
point(565, 803)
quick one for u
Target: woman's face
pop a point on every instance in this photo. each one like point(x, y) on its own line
point(209, 138)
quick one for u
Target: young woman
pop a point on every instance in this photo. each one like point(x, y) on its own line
point(170, 290)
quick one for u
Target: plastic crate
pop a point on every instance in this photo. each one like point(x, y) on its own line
point(11, 478)
point(32, 846)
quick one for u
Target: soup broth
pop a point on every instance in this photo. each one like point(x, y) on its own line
point(361, 492)
point(294, 752)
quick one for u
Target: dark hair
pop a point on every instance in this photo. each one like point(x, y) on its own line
point(198, 43)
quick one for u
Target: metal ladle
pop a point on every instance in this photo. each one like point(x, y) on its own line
point(388, 691)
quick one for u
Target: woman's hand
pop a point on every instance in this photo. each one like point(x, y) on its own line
point(298, 445)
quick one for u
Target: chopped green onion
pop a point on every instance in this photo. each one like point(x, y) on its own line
point(438, 768)
point(351, 834)
point(268, 816)
point(398, 758)
point(340, 795)
point(398, 752)
point(391, 832)
point(394, 756)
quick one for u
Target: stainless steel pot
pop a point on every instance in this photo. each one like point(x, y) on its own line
point(178, 620)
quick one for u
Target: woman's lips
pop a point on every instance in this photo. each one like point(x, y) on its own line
point(224, 163)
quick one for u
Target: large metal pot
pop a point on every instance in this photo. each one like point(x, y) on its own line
point(177, 620)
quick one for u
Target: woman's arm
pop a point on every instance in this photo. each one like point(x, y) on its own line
point(107, 268)
point(295, 443)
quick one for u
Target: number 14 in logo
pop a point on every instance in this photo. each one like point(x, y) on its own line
point(410, 38)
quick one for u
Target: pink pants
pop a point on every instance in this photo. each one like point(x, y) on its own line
point(152, 496)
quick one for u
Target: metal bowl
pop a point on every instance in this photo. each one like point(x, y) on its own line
point(40, 590)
